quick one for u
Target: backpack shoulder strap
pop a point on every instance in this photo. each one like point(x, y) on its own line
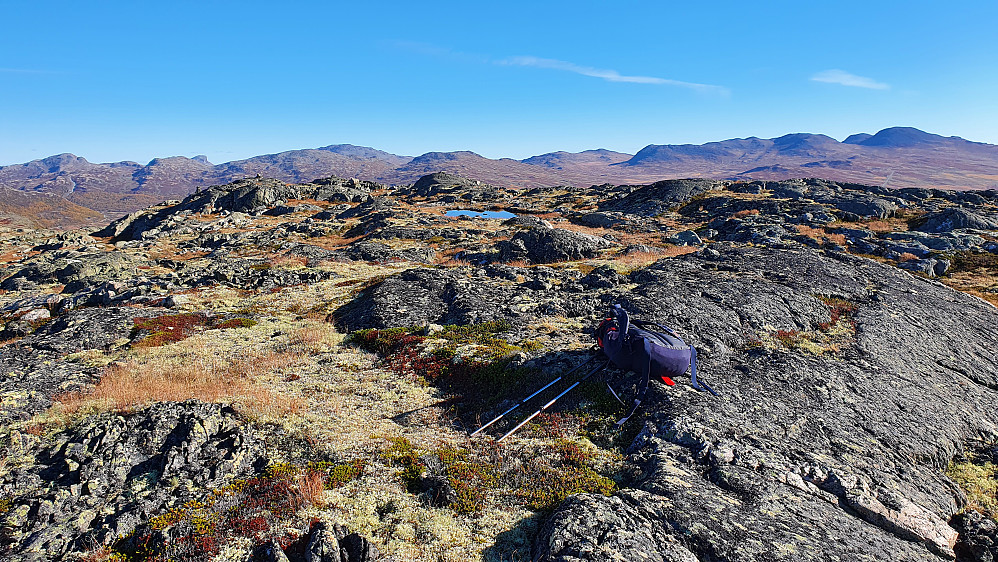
point(623, 320)
point(699, 385)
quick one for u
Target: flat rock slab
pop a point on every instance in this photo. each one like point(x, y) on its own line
point(834, 455)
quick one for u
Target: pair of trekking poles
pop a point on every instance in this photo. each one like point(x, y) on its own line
point(592, 372)
point(630, 346)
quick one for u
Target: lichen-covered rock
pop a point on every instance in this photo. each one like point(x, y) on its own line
point(550, 245)
point(338, 544)
point(451, 188)
point(820, 447)
point(603, 277)
point(240, 196)
point(313, 255)
point(686, 238)
point(637, 535)
point(426, 296)
point(381, 252)
point(955, 218)
point(978, 537)
point(33, 370)
point(99, 479)
point(661, 196)
point(75, 268)
point(244, 274)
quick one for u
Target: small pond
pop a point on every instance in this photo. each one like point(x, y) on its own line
point(481, 214)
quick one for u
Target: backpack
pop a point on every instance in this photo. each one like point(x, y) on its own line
point(632, 345)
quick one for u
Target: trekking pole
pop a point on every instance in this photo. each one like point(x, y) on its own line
point(553, 400)
point(542, 389)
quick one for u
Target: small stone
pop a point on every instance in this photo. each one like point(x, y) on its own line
point(174, 301)
point(36, 315)
point(686, 238)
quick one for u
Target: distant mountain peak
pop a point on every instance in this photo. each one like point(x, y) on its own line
point(561, 158)
point(366, 152)
point(445, 156)
point(857, 138)
point(900, 137)
point(803, 143)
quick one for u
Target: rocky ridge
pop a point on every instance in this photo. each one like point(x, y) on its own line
point(853, 376)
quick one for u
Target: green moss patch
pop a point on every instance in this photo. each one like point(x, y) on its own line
point(484, 479)
point(472, 361)
point(340, 474)
point(979, 480)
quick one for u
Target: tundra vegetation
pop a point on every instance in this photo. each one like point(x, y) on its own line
point(308, 361)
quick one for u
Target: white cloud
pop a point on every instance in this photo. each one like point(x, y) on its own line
point(844, 78)
point(609, 75)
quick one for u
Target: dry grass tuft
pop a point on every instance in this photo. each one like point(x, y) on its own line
point(821, 235)
point(203, 376)
point(884, 226)
point(673, 251)
point(311, 485)
point(637, 260)
point(315, 336)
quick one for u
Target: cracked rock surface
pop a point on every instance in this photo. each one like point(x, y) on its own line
point(98, 480)
point(831, 456)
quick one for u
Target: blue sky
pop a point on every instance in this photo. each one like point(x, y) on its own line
point(115, 81)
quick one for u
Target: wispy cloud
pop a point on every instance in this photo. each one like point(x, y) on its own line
point(608, 74)
point(843, 78)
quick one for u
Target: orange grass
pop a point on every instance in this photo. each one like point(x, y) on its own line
point(315, 336)
point(131, 384)
point(447, 257)
point(310, 487)
point(821, 235)
point(598, 232)
point(884, 226)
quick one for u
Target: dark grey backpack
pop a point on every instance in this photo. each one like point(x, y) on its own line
point(632, 345)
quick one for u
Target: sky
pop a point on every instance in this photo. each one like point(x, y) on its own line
point(113, 81)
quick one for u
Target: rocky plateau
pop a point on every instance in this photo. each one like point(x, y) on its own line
point(271, 369)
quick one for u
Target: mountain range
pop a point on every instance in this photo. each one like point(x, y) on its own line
point(75, 191)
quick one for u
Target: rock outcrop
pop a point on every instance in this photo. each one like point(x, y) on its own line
point(96, 481)
point(242, 196)
point(549, 245)
point(817, 449)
